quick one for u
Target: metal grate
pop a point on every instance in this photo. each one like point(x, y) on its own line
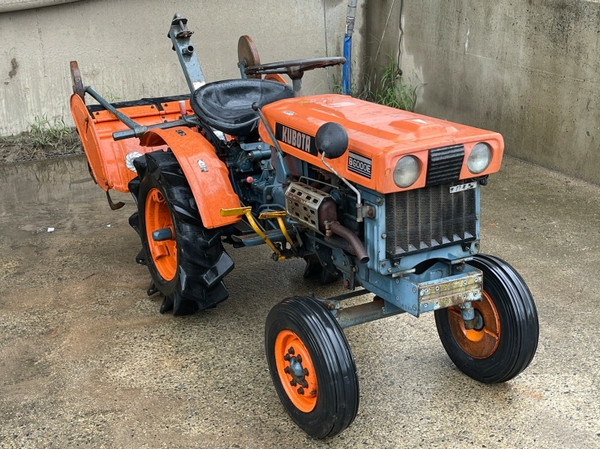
point(425, 218)
point(444, 165)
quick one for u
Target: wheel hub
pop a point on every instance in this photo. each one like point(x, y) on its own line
point(482, 340)
point(296, 370)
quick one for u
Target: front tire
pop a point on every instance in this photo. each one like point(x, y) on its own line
point(186, 261)
point(311, 366)
point(505, 338)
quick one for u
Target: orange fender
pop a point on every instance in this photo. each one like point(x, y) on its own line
point(206, 174)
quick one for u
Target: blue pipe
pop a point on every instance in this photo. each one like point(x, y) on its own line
point(347, 68)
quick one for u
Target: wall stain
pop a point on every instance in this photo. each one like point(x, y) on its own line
point(14, 67)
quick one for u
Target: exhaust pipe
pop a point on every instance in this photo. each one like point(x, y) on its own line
point(350, 237)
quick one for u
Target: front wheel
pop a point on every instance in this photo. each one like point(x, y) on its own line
point(505, 336)
point(311, 366)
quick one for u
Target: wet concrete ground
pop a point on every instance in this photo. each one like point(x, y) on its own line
point(87, 361)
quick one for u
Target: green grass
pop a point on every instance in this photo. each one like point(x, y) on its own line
point(386, 85)
point(46, 138)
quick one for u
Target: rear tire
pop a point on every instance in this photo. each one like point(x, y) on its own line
point(505, 340)
point(188, 264)
point(311, 366)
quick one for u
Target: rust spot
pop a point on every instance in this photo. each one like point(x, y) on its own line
point(14, 66)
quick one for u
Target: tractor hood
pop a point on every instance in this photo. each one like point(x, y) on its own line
point(378, 136)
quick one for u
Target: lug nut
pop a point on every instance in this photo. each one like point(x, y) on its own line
point(286, 370)
point(291, 350)
point(300, 390)
point(305, 371)
point(299, 358)
point(286, 357)
point(293, 383)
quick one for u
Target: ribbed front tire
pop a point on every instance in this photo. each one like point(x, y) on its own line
point(311, 366)
point(505, 337)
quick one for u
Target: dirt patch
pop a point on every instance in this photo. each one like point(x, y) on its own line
point(42, 142)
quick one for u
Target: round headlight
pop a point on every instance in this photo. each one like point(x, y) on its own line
point(480, 158)
point(407, 171)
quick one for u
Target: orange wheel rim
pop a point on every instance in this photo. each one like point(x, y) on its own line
point(481, 342)
point(296, 371)
point(157, 216)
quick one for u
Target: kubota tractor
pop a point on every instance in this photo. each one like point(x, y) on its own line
point(386, 200)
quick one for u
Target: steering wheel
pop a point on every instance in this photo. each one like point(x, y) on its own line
point(294, 69)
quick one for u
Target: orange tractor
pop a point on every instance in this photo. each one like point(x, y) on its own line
point(385, 200)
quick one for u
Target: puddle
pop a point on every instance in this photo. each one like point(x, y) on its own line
point(40, 182)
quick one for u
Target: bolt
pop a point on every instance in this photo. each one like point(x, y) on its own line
point(293, 383)
point(299, 358)
point(314, 392)
point(379, 200)
point(291, 350)
point(300, 390)
point(305, 371)
point(286, 370)
point(384, 236)
point(286, 357)
point(389, 270)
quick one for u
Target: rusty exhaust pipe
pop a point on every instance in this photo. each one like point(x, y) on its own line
point(351, 238)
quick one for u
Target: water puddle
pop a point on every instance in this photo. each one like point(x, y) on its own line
point(41, 182)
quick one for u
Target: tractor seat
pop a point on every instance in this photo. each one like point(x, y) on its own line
point(227, 105)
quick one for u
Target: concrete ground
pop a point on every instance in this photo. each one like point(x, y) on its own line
point(87, 361)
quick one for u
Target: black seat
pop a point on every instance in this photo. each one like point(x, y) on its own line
point(227, 105)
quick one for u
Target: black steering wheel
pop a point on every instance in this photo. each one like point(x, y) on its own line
point(294, 69)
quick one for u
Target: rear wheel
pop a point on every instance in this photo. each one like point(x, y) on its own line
point(505, 336)
point(311, 366)
point(187, 262)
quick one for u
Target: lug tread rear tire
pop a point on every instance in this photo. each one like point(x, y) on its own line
point(202, 263)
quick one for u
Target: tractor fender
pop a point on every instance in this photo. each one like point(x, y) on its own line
point(206, 174)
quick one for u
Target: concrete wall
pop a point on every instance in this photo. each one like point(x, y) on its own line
point(527, 68)
point(124, 54)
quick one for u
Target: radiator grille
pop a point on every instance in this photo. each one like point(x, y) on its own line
point(444, 165)
point(425, 218)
